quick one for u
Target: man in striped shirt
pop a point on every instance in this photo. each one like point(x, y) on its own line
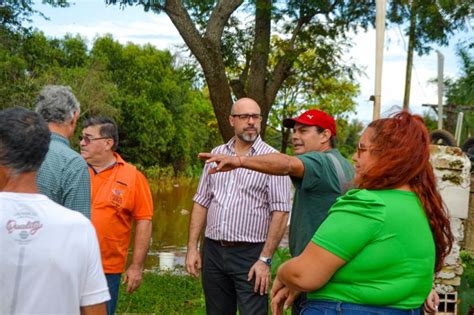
point(319, 173)
point(245, 214)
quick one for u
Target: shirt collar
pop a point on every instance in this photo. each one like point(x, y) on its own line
point(256, 145)
point(58, 137)
point(118, 160)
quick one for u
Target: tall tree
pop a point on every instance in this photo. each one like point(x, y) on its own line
point(221, 32)
point(318, 80)
point(427, 22)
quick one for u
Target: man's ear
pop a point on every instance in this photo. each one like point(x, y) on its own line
point(110, 143)
point(231, 120)
point(75, 118)
point(327, 135)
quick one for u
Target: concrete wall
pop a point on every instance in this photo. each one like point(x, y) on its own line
point(453, 174)
point(468, 243)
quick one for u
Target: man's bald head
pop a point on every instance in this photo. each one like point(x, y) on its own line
point(245, 118)
point(244, 105)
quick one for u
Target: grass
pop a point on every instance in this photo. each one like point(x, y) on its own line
point(163, 293)
point(174, 292)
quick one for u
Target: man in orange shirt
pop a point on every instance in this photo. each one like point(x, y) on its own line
point(120, 195)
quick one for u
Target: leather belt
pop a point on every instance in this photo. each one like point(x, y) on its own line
point(232, 243)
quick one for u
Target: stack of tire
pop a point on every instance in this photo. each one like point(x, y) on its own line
point(443, 137)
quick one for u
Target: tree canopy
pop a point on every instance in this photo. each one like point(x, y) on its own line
point(231, 40)
point(162, 119)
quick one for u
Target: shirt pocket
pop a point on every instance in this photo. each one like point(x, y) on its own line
point(119, 196)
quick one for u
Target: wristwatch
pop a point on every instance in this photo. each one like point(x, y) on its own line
point(266, 260)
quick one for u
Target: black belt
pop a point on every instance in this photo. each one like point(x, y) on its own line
point(233, 243)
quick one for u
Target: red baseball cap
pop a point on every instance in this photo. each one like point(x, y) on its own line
point(313, 117)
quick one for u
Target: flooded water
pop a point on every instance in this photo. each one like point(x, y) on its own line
point(173, 204)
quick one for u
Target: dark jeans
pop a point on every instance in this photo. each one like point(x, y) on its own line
point(224, 277)
point(113, 281)
point(317, 307)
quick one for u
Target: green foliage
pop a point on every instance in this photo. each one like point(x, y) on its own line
point(163, 293)
point(466, 290)
point(14, 13)
point(468, 265)
point(431, 122)
point(320, 81)
point(435, 21)
point(348, 136)
point(162, 119)
point(281, 255)
point(232, 41)
point(460, 93)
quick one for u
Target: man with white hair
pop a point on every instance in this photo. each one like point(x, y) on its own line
point(63, 176)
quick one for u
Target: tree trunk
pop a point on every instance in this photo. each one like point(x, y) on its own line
point(260, 85)
point(411, 47)
point(207, 51)
point(256, 81)
point(285, 136)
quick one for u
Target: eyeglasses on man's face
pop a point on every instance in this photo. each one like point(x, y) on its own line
point(246, 117)
point(87, 139)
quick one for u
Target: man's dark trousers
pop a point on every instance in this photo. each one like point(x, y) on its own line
point(224, 275)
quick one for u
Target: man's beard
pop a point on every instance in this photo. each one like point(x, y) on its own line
point(249, 138)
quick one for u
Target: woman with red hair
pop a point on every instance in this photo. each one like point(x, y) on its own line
point(378, 249)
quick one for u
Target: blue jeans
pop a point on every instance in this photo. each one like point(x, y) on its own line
point(113, 281)
point(319, 307)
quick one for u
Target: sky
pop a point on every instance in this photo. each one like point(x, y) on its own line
point(91, 18)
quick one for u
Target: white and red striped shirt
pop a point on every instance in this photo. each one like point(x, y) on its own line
point(240, 202)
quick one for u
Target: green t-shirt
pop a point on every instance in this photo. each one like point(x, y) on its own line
point(315, 193)
point(386, 240)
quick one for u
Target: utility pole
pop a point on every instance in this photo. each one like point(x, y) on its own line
point(379, 44)
point(440, 88)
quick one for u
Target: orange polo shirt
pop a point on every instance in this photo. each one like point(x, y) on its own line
point(120, 194)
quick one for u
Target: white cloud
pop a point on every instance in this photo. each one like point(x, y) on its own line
point(151, 28)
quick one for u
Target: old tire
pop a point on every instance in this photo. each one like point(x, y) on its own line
point(468, 148)
point(442, 137)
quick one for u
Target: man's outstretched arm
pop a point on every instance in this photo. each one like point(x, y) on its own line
point(273, 163)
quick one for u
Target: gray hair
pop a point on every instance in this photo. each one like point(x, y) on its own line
point(57, 103)
point(24, 140)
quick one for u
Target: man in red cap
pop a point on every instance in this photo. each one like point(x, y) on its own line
point(319, 173)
